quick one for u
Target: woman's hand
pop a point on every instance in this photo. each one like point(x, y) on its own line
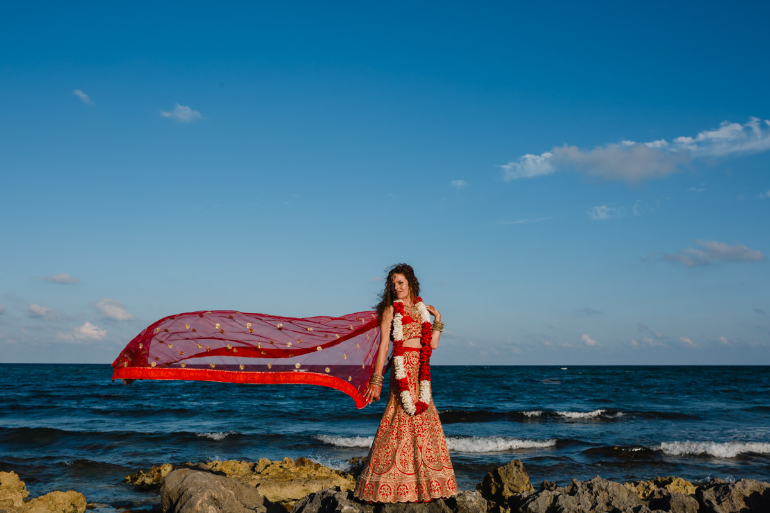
point(372, 393)
point(435, 313)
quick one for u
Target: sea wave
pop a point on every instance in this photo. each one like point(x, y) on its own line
point(346, 441)
point(716, 449)
point(481, 444)
point(580, 414)
point(217, 436)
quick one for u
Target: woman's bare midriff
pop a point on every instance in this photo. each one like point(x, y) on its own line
point(412, 342)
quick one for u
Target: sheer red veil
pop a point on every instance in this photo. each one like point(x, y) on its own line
point(236, 347)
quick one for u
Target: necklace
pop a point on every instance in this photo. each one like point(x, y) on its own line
point(400, 317)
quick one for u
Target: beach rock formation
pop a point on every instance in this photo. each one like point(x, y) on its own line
point(57, 502)
point(280, 482)
point(335, 500)
point(13, 491)
point(744, 496)
point(596, 494)
point(502, 483)
point(151, 479)
point(650, 489)
point(194, 491)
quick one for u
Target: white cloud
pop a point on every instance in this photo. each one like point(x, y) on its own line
point(39, 310)
point(635, 162)
point(85, 333)
point(602, 212)
point(765, 195)
point(83, 96)
point(588, 340)
point(687, 342)
point(634, 343)
point(723, 340)
point(182, 113)
point(714, 252)
point(112, 309)
point(700, 188)
point(63, 278)
point(528, 166)
point(524, 221)
point(459, 184)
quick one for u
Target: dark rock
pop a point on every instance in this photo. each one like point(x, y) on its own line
point(743, 496)
point(548, 485)
point(673, 502)
point(594, 495)
point(502, 483)
point(336, 500)
point(191, 491)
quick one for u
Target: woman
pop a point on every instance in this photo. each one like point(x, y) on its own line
point(408, 461)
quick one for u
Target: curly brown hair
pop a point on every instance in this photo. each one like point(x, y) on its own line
point(389, 294)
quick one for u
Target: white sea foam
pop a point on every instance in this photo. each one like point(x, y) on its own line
point(580, 414)
point(533, 413)
point(216, 436)
point(716, 449)
point(494, 443)
point(346, 441)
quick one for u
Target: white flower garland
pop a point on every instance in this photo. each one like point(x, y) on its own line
point(424, 396)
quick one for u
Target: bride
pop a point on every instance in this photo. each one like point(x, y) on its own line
point(408, 460)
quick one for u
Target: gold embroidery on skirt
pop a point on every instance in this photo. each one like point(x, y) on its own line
point(409, 460)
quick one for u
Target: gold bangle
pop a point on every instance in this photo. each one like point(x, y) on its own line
point(438, 326)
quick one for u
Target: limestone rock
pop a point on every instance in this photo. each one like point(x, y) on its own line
point(503, 482)
point(469, 501)
point(335, 500)
point(744, 496)
point(13, 491)
point(287, 481)
point(194, 491)
point(153, 478)
point(596, 494)
point(57, 502)
point(647, 489)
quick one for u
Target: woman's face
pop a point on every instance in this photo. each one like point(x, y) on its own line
point(401, 286)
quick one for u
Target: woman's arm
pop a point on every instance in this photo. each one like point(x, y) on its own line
point(436, 334)
point(373, 392)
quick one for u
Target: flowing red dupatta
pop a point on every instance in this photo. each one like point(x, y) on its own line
point(236, 347)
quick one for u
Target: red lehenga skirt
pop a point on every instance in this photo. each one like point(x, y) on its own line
point(409, 460)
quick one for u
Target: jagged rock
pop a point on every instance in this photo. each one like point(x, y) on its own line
point(153, 478)
point(357, 465)
point(335, 500)
point(57, 502)
point(503, 482)
point(469, 501)
point(744, 496)
point(596, 494)
point(675, 503)
point(647, 489)
point(280, 482)
point(13, 491)
point(194, 491)
point(287, 481)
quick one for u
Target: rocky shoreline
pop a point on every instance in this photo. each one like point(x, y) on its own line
point(303, 486)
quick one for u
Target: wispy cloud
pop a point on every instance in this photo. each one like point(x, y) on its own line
point(183, 114)
point(459, 184)
point(634, 162)
point(63, 278)
point(525, 221)
point(590, 311)
point(760, 311)
point(723, 340)
point(687, 342)
point(603, 212)
point(700, 188)
point(112, 309)
point(588, 340)
point(765, 195)
point(86, 333)
point(40, 311)
point(83, 96)
point(713, 252)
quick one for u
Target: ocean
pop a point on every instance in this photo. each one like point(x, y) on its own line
point(68, 427)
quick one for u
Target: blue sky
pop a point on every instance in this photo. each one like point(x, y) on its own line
point(573, 183)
